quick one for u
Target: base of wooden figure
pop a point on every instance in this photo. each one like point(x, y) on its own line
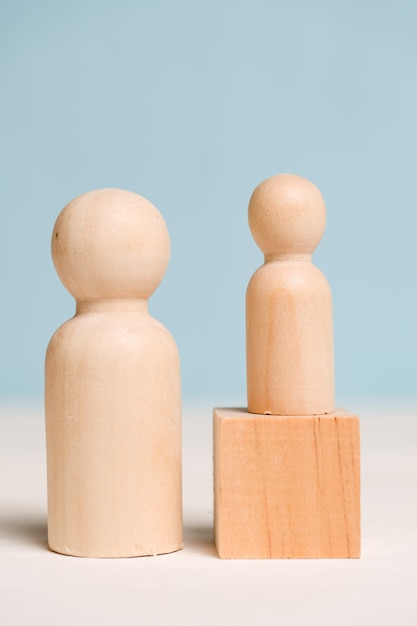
point(286, 486)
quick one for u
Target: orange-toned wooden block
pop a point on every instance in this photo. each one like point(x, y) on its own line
point(286, 486)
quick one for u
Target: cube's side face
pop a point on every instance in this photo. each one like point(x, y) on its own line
point(286, 487)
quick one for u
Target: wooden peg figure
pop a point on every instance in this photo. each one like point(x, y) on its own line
point(286, 470)
point(112, 386)
point(289, 329)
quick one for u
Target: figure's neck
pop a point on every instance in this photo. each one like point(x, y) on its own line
point(289, 256)
point(120, 305)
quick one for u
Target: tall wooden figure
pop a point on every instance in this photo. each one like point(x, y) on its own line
point(112, 396)
point(287, 469)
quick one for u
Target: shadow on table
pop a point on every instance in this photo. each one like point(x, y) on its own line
point(25, 530)
point(199, 538)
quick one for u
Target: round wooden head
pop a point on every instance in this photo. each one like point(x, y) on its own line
point(287, 216)
point(110, 244)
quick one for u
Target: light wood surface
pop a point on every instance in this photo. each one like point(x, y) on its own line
point(286, 487)
point(112, 386)
point(193, 586)
point(289, 325)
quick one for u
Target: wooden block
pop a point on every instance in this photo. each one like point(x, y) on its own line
point(286, 486)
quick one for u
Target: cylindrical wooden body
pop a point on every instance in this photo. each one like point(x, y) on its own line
point(289, 333)
point(113, 413)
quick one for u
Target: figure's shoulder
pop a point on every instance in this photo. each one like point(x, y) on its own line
point(291, 277)
point(160, 333)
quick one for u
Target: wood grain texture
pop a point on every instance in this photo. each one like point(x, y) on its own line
point(286, 486)
point(112, 386)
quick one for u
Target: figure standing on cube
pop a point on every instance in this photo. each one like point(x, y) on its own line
point(286, 470)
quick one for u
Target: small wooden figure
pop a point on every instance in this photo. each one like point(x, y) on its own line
point(289, 330)
point(112, 386)
point(287, 469)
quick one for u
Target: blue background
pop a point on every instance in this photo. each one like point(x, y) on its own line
point(192, 104)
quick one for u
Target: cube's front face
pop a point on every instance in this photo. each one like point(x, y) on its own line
point(285, 486)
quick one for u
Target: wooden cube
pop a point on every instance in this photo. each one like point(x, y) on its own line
point(286, 486)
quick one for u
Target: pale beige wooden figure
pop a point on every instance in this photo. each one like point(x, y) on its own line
point(289, 330)
point(112, 386)
point(286, 471)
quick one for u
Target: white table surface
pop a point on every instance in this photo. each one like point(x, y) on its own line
point(193, 586)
